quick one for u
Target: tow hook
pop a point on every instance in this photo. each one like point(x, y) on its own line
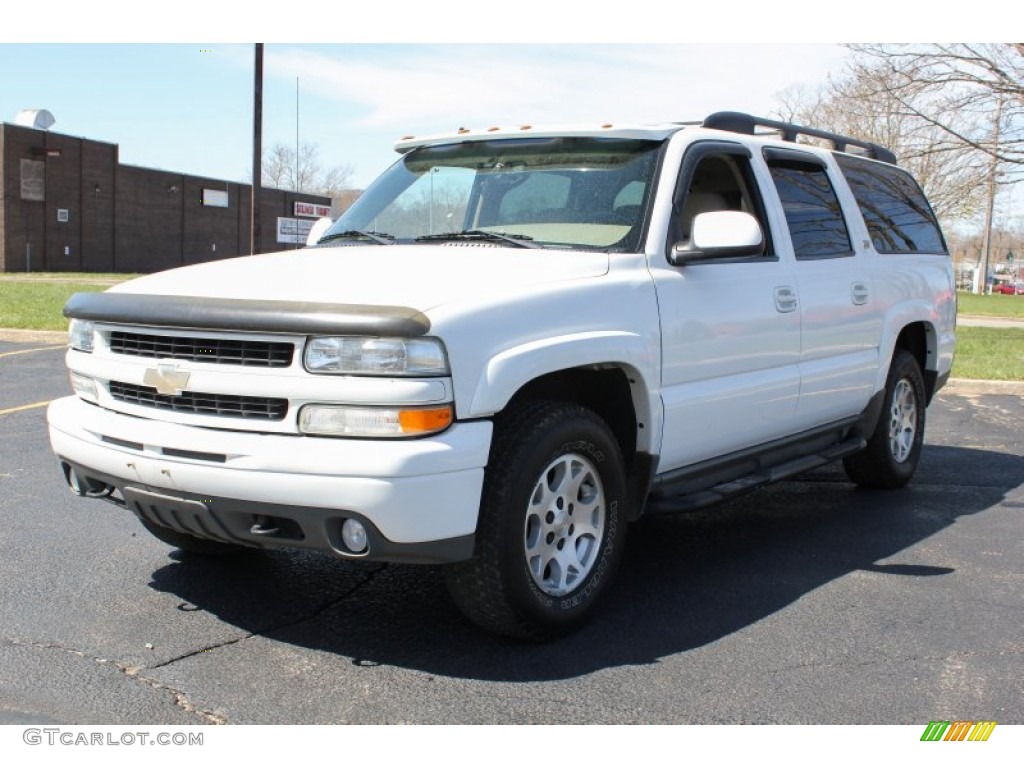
point(264, 527)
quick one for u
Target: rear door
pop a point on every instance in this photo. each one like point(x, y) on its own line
point(840, 319)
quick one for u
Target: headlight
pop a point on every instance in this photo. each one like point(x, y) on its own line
point(80, 335)
point(359, 355)
point(359, 421)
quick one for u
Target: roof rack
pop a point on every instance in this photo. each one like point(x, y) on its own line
point(739, 122)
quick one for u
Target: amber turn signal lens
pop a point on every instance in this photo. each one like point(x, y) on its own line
point(425, 420)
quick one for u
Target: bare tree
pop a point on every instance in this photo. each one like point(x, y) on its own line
point(860, 103)
point(280, 171)
point(959, 89)
point(973, 93)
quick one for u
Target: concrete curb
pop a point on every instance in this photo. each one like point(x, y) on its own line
point(35, 337)
point(984, 321)
point(963, 387)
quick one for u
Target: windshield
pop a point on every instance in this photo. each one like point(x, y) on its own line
point(573, 193)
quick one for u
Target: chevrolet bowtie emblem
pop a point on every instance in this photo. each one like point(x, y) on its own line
point(167, 379)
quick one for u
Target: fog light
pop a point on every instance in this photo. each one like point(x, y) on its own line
point(354, 535)
point(83, 386)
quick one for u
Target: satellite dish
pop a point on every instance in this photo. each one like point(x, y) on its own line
point(35, 118)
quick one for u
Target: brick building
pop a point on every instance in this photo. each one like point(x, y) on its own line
point(68, 205)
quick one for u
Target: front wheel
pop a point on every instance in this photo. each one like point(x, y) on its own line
point(552, 523)
point(894, 448)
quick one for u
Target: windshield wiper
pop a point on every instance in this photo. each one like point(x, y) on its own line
point(520, 241)
point(351, 234)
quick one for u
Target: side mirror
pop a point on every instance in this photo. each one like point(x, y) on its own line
point(317, 230)
point(719, 235)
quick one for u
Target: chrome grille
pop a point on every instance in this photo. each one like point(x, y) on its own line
point(202, 403)
point(266, 354)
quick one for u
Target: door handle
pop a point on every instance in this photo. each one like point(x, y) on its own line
point(785, 298)
point(860, 293)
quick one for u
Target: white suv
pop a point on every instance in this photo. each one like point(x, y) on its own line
point(517, 342)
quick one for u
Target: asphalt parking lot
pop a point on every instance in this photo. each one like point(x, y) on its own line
point(807, 602)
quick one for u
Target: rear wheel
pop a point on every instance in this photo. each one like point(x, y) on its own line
point(551, 527)
point(894, 448)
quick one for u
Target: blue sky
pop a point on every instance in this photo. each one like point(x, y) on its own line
point(188, 107)
point(136, 75)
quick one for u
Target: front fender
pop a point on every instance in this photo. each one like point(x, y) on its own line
point(510, 370)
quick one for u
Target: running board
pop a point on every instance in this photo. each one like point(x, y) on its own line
point(685, 502)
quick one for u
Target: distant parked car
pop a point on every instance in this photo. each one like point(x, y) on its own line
point(1016, 287)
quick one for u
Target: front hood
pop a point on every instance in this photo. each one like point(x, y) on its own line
point(417, 276)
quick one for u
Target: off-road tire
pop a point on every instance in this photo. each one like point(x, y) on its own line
point(537, 575)
point(894, 448)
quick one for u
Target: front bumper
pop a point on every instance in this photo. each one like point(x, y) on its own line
point(419, 499)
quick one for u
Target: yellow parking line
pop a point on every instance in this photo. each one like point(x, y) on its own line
point(30, 406)
point(36, 349)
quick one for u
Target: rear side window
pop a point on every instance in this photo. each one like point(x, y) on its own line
point(815, 219)
point(895, 210)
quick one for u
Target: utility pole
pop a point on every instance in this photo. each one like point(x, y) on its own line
point(297, 187)
point(993, 171)
point(255, 234)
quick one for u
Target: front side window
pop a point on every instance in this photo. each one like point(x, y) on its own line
point(719, 182)
point(895, 210)
point(569, 193)
point(813, 214)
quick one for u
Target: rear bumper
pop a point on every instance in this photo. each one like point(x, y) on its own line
point(418, 499)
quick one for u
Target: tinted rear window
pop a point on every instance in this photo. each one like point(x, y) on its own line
point(898, 216)
point(813, 213)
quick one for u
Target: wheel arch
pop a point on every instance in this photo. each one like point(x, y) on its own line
point(920, 339)
point(914, 327)
point(547, 364)
point(605, 390)
point(617, 394)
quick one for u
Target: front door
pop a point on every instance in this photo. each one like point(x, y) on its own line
point(730, 327)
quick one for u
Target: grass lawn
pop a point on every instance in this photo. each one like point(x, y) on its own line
point(996, 305)
point(37, 305)
point(989, 353)
point(110, 277)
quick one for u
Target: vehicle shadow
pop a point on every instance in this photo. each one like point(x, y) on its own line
point(685, 582)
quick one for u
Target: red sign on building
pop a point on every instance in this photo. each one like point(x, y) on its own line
point(312, 210)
